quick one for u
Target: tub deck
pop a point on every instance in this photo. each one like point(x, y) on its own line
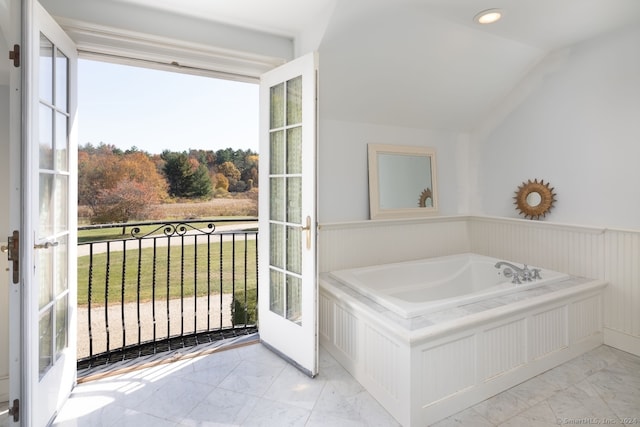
point(448, 314)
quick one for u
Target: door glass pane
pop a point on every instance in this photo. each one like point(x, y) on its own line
point(45, 328)
point(276, 105)
point(61, 206)
point(45, 122)
point(62, 75)
point(277, 202)
point(61, 256)
point(45, 276)
point(276, 292)
point(294, 200)
point(46, 205)
point(294, 150)
point(62, 339)
point(276, 154)
point(294, 101)
point(294, 299)
point(294, 250)
point(46, 70)
point(61, 143)
point(277, 245)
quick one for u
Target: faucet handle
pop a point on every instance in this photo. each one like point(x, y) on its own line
point(536, 274)
point(526, 273)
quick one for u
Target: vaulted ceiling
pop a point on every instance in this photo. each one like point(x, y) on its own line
point(419, 63)
point(416, 63)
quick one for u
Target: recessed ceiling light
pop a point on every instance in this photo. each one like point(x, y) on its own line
point(488, 16)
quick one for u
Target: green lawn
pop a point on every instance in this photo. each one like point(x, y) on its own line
point(178, 275)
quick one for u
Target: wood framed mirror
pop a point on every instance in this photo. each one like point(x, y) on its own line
point(402, 181)
point(534, 199)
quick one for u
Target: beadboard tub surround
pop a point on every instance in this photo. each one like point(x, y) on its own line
point(602, 253)
point(364, 243)
point(612, 255)
point(430, 367)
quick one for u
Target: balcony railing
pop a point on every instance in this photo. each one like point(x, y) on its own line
point(164, 286)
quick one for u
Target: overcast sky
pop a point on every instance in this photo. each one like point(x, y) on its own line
point(156, 110)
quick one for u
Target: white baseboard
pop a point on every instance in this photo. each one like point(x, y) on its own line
point(622, 341)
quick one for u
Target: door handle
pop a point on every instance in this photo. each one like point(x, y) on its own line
point(45, 245)
point(307, 228)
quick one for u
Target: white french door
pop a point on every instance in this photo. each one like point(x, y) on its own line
point(48, 218)
point(287, 273)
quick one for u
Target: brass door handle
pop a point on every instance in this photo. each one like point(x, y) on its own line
point(307, 228)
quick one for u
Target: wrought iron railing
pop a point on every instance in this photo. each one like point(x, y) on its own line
point(162, 286)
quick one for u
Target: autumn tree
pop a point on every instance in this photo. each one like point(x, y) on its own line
point(250, 172)
point(126, 201)
point(112, 182)
point(221, 182)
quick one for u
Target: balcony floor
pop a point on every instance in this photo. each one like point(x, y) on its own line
point(251, 386)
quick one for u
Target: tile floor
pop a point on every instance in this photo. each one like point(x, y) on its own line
point(250, 386)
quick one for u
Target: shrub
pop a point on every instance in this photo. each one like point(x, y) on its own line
point(241, 314)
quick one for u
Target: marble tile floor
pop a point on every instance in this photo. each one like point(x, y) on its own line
point(250, 386)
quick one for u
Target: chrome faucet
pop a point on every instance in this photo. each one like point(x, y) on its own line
point(518, 273)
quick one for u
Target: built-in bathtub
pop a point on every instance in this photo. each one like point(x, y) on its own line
point(425, 354)
point(414, 288)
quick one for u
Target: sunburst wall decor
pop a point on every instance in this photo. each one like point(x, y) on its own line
point(534, 199)
point(426, 194)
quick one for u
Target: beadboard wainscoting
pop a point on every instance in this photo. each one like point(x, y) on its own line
point(364, 243)
point(593, 252)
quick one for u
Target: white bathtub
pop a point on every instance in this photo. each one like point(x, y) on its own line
point(424, 369)
point(415, 288)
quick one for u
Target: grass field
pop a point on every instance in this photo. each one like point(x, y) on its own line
point(196, 271)
point(240, 204)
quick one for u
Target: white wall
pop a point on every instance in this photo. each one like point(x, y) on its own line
point(343, 174)
point(576, 125)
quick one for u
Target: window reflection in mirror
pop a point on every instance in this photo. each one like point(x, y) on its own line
point(402, 181)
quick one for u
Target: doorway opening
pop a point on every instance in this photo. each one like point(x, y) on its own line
point(167, 210)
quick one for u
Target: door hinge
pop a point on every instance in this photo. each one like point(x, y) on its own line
point(13, 253)
point(14, 55)
point(14, 411)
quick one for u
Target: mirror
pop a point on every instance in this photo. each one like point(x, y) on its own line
point(534, 199)
point(402, 181)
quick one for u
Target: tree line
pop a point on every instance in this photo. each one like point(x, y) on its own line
point(121, 185)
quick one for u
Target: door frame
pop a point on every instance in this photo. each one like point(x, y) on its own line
point(92, 40)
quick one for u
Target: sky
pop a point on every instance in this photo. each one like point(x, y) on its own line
point(157, 110)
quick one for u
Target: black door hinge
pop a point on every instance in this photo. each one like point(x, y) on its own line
point(14, 411)
point(14, 55)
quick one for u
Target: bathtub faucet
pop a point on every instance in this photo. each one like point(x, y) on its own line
point(518, 273)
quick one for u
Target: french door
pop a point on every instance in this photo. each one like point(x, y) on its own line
point(47, 218)
point(287, 275)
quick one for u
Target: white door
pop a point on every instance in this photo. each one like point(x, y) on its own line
point(48, 219)
point(287, 291)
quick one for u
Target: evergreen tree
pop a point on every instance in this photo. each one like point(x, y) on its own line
point(186, 176)
point(177, 169)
